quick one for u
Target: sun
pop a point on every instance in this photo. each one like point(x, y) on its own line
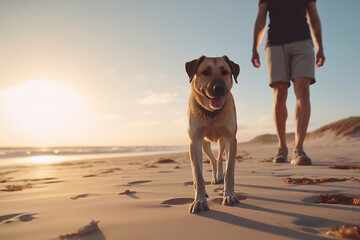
point(41, 107)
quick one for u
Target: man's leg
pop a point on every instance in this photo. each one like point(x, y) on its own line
point(280, 115)
point(302, 110)
point(302, 117)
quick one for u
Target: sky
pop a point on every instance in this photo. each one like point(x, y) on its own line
point(100, 73)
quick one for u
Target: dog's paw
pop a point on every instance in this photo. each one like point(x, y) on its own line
point(198, 206)
point(230, 200)
point(217, 181)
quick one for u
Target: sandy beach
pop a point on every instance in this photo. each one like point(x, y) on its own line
point(143, 198)
point(100, 102)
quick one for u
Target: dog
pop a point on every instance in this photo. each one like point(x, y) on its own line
point(212, 118)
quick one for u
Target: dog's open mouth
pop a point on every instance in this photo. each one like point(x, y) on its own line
point(216, 103)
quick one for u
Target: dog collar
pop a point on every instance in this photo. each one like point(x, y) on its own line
point(208, 113)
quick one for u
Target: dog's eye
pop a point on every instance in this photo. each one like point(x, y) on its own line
point(224, 72)
point(206, 73)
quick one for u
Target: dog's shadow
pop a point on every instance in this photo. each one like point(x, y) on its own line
point(178, 201)
point(257, 226)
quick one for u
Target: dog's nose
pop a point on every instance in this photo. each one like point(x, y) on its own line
point(218, 88)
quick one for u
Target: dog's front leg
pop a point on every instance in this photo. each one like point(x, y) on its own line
point(200, 201)
point(229, 197)
point(219, 173)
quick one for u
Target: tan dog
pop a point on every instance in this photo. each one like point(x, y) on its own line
point(212, 118)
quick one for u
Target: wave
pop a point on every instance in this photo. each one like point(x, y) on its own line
point(64, 151)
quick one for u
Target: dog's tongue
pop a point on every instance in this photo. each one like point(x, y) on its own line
point(216, 103)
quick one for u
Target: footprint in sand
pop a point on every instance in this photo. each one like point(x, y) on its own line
point(190, 183)
point(137, 182)
point(20, 217)
point(90, 175)
point(27, 217)
point(49, 180)
point(5, 218)
point(314, 222)
point(80, 196)
point(8, 172)
point(110, 170)
point(165, 171)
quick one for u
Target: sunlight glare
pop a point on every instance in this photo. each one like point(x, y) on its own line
point(41, 108)
point(43, 159)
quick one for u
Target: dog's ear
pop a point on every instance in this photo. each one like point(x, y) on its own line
point(192, 66)
point(235, 68)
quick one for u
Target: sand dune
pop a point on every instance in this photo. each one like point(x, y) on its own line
point(271, 138)
point(347, 130)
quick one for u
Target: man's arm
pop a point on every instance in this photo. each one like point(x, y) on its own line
point(259, 30)
point(315, 26)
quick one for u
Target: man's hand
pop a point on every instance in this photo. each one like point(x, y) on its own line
point(255, 59)
point(320, 58)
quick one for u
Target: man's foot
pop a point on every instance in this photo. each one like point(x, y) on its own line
point(299, 158)
point(281, 155)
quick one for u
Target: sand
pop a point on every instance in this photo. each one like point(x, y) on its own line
point(147, 197)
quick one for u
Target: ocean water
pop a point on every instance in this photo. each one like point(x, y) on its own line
point(34, 155)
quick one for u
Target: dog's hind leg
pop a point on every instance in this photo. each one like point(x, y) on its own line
point(207, 150)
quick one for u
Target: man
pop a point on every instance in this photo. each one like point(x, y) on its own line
point(290, 56)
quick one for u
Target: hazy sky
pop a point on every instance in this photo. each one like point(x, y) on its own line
point(112, 72)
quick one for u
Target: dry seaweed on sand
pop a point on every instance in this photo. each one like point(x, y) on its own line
point(346, 167)
point(150, 166)
point(267, 160)
point(331, 198)
point(13, 188)
point(92, 227)
point(240, 158)
point(127, 192)
point(160, 161)
point(345, 231)
point(306, 181)
point(165, 160)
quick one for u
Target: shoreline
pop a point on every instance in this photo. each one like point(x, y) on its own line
point(58, 158)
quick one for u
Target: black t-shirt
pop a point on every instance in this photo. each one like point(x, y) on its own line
point(288, 22)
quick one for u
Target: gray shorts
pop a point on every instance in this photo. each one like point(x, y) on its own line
point(291, 60)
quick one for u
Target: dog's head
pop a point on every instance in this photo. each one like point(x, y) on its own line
point(211, 80)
